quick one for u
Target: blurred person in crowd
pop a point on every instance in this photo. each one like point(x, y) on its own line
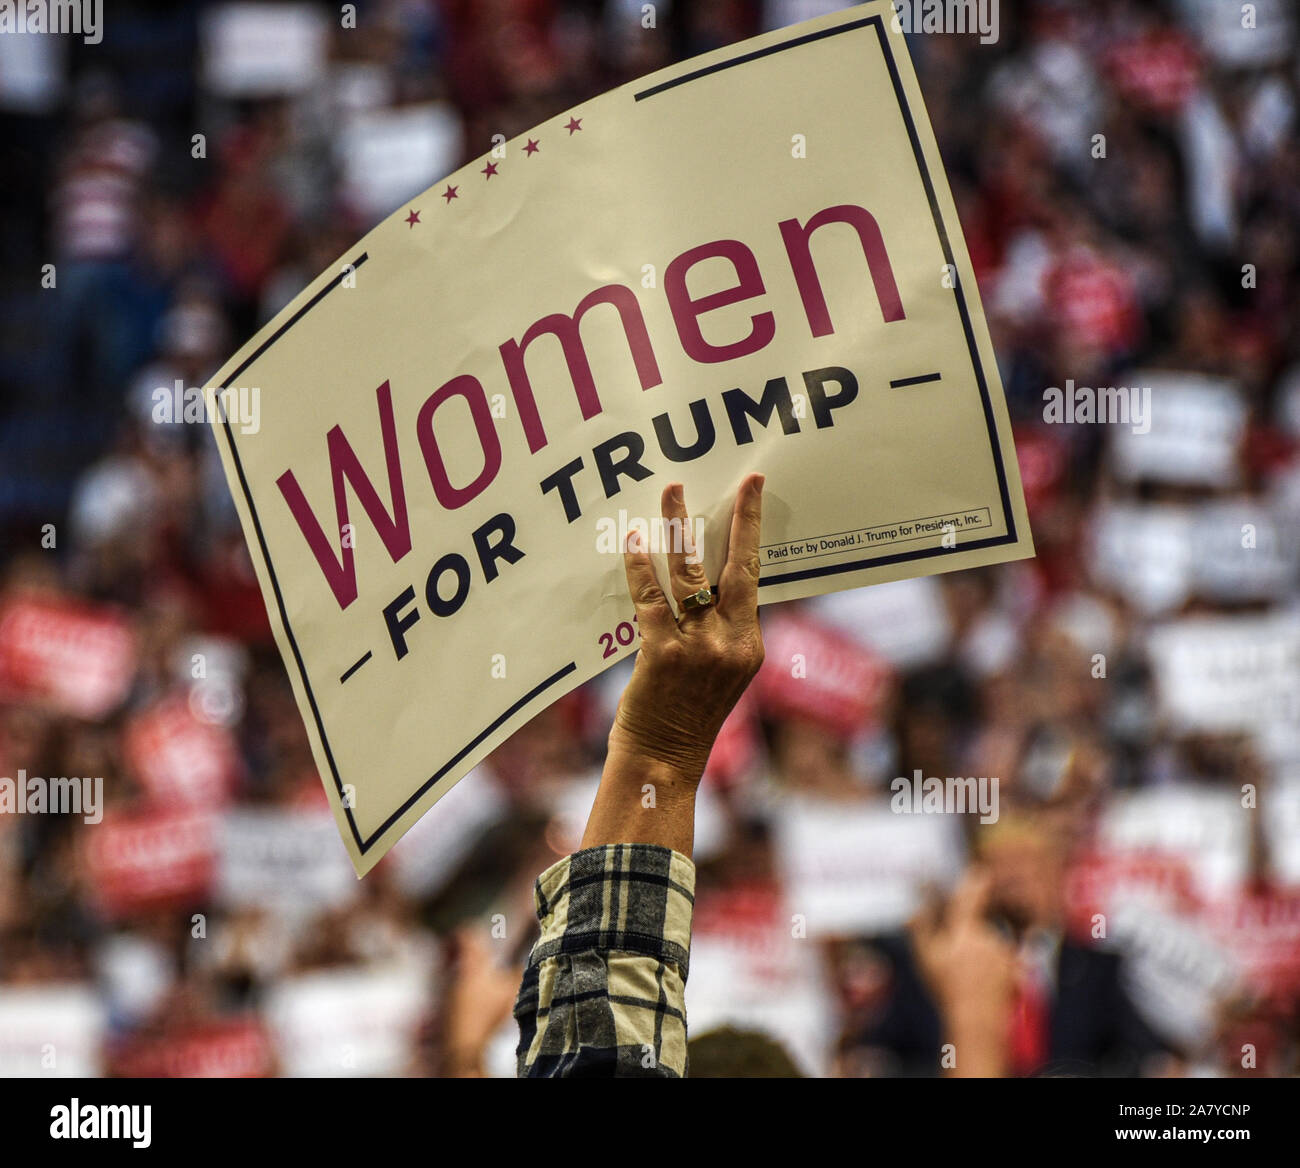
point(990, 983)
point(729, 1053)
point(97, 201)
point(478, 1001)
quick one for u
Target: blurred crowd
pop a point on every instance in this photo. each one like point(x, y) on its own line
point(1128, 179)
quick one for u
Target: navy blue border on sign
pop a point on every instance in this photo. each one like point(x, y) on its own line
point(977, 367)
point(365, 843)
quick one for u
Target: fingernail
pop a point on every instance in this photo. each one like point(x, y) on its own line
point(678, 495)
point(761, 480)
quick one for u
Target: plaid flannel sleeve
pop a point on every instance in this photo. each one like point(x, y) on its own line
point(604, 993)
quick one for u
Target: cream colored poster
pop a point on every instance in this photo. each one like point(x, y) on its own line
point(747, 262)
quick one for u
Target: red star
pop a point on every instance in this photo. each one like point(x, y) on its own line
point(574, 124)
point(413, 218)
point(532, 147)
point(450, 193)
point(490, 169)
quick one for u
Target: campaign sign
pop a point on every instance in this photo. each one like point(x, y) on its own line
point(748, 262)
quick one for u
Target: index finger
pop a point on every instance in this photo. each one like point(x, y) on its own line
point(652, 612)
point(971, 897)
point(738, 583)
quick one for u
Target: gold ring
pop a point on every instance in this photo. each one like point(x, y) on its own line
point(701, 599)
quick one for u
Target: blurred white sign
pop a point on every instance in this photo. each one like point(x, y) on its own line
point(54, 1031)
point(32, 73)
point(1241, 552)
point(285, 859)
point(749, 971)
point(1204, 826)
point(258, 50)
point(1221, 674)
point(428, 855)
point(858, 869)
point(1282, 832)
point(905, 621)
point(390, 155)
point(1226, 36)
point(1157, 556)
point(350, 1022)
point(1197, 424)
point(1177, 973)
point(1143, 553)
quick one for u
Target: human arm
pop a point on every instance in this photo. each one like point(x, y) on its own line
point(604, 990)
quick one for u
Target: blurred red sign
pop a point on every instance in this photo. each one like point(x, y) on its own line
point(736, 746)
point(1262, 931)
point(178, 758)
point(1043, 459)
point(149, 859)
point(744, 907)
point(1093, 301)
point(237, 1048)
point(1097, 879)
point(813, 672)
point(77, 658)
point(1158, 71)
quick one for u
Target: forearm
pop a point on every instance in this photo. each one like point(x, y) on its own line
point(642, 800)
point(604, 991)
point(978, 1039)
